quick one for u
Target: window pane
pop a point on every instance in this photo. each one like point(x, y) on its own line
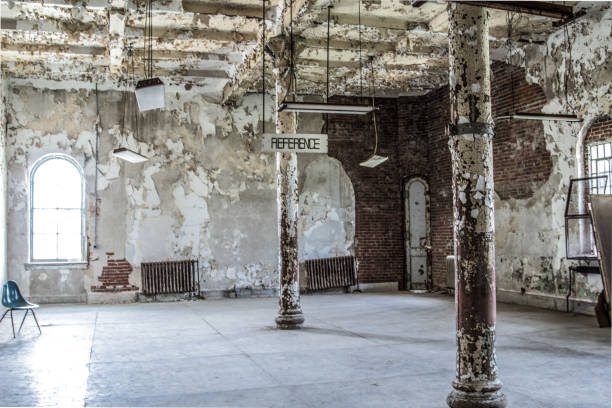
point(600, 151)
point(592, 168)
point(593, 152)
point(69, 246)
point(57, 184)
point(69, 222)
point(607, 149)
point(602, 167)
point(44, 246)
point(45, 222)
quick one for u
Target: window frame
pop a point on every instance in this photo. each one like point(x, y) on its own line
point(608, 187)
point(56, 261)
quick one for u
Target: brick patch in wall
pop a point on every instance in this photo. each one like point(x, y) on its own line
point(115, 276)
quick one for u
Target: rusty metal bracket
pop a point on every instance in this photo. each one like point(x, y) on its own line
point(472, 128)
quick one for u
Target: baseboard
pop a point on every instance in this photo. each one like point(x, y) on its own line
point(544, 301)
point(51, 299)
point(379, 287)
point(238, 293)
point(100, 298)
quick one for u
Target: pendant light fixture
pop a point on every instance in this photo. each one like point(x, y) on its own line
point(150, 91)
point(537, 115)
point(131, 156)
point(125, 153)
point(318, 107)
point(375, 159)
point(286, 142)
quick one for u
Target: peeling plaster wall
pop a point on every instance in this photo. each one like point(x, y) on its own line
point(207, 192)
point(530, 240)
point(3, 180)
point(327, 211)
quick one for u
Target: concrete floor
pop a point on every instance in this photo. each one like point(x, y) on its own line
point(382, 350)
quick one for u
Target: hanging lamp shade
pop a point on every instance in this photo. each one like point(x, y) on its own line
point(150, 94)
point(316, 107)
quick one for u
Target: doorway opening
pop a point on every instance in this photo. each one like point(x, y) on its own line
point(417, 241)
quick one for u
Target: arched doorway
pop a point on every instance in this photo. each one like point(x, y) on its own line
point(327, 211)
point(417, 242)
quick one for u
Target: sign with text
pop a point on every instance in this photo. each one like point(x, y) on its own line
point(294, 143)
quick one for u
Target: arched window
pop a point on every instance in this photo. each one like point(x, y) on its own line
point(598, 155)
point(56, 210)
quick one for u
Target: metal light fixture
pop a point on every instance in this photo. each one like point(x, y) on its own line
point(150, 91)
point(312, 107)
point(124, 153)
point(318, 107)
point(375, 159)
point(131, 156)
point(150, 94)
point(541, 116)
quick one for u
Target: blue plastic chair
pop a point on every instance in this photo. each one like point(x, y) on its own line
point(13, 300)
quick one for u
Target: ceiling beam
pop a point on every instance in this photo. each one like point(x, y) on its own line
point(253, 9)
point(194, 33)
point(77, 17)
point(537, 8)
point(397, 23)
point(246, 74)
point(190, 21)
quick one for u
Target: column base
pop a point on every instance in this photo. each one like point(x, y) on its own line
point(289, 321)
point(462, 399)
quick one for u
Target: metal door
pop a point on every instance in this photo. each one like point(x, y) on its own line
point(416, 201)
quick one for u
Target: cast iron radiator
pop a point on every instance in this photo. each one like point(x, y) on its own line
point(170, 277)
point(329, 273)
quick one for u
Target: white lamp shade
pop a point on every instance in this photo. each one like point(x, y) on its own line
point(150, 94)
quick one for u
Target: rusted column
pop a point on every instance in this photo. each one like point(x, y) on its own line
point(290, 312)
point(471, 133)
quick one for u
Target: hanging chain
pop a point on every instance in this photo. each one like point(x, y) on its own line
point(263, 66)
point(327, 73)
point(148, 40)
point(372, 92)
point(292, 75)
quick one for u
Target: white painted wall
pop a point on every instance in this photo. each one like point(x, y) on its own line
point(327, 211)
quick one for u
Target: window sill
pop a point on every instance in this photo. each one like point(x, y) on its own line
point(33, 266)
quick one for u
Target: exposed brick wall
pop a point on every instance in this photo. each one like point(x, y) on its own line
point(378, 231)
point(521, 163)
point(412, 134)
point(600, 131)
point(520, 160)
point(440, 184)
point(115, 276)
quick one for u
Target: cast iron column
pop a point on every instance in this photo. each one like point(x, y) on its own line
point(471, 141)
point(290, 312)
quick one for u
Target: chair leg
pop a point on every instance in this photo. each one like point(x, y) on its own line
point(13, 324)
point(5, 312)
point(23, 320)
point(36, 320)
